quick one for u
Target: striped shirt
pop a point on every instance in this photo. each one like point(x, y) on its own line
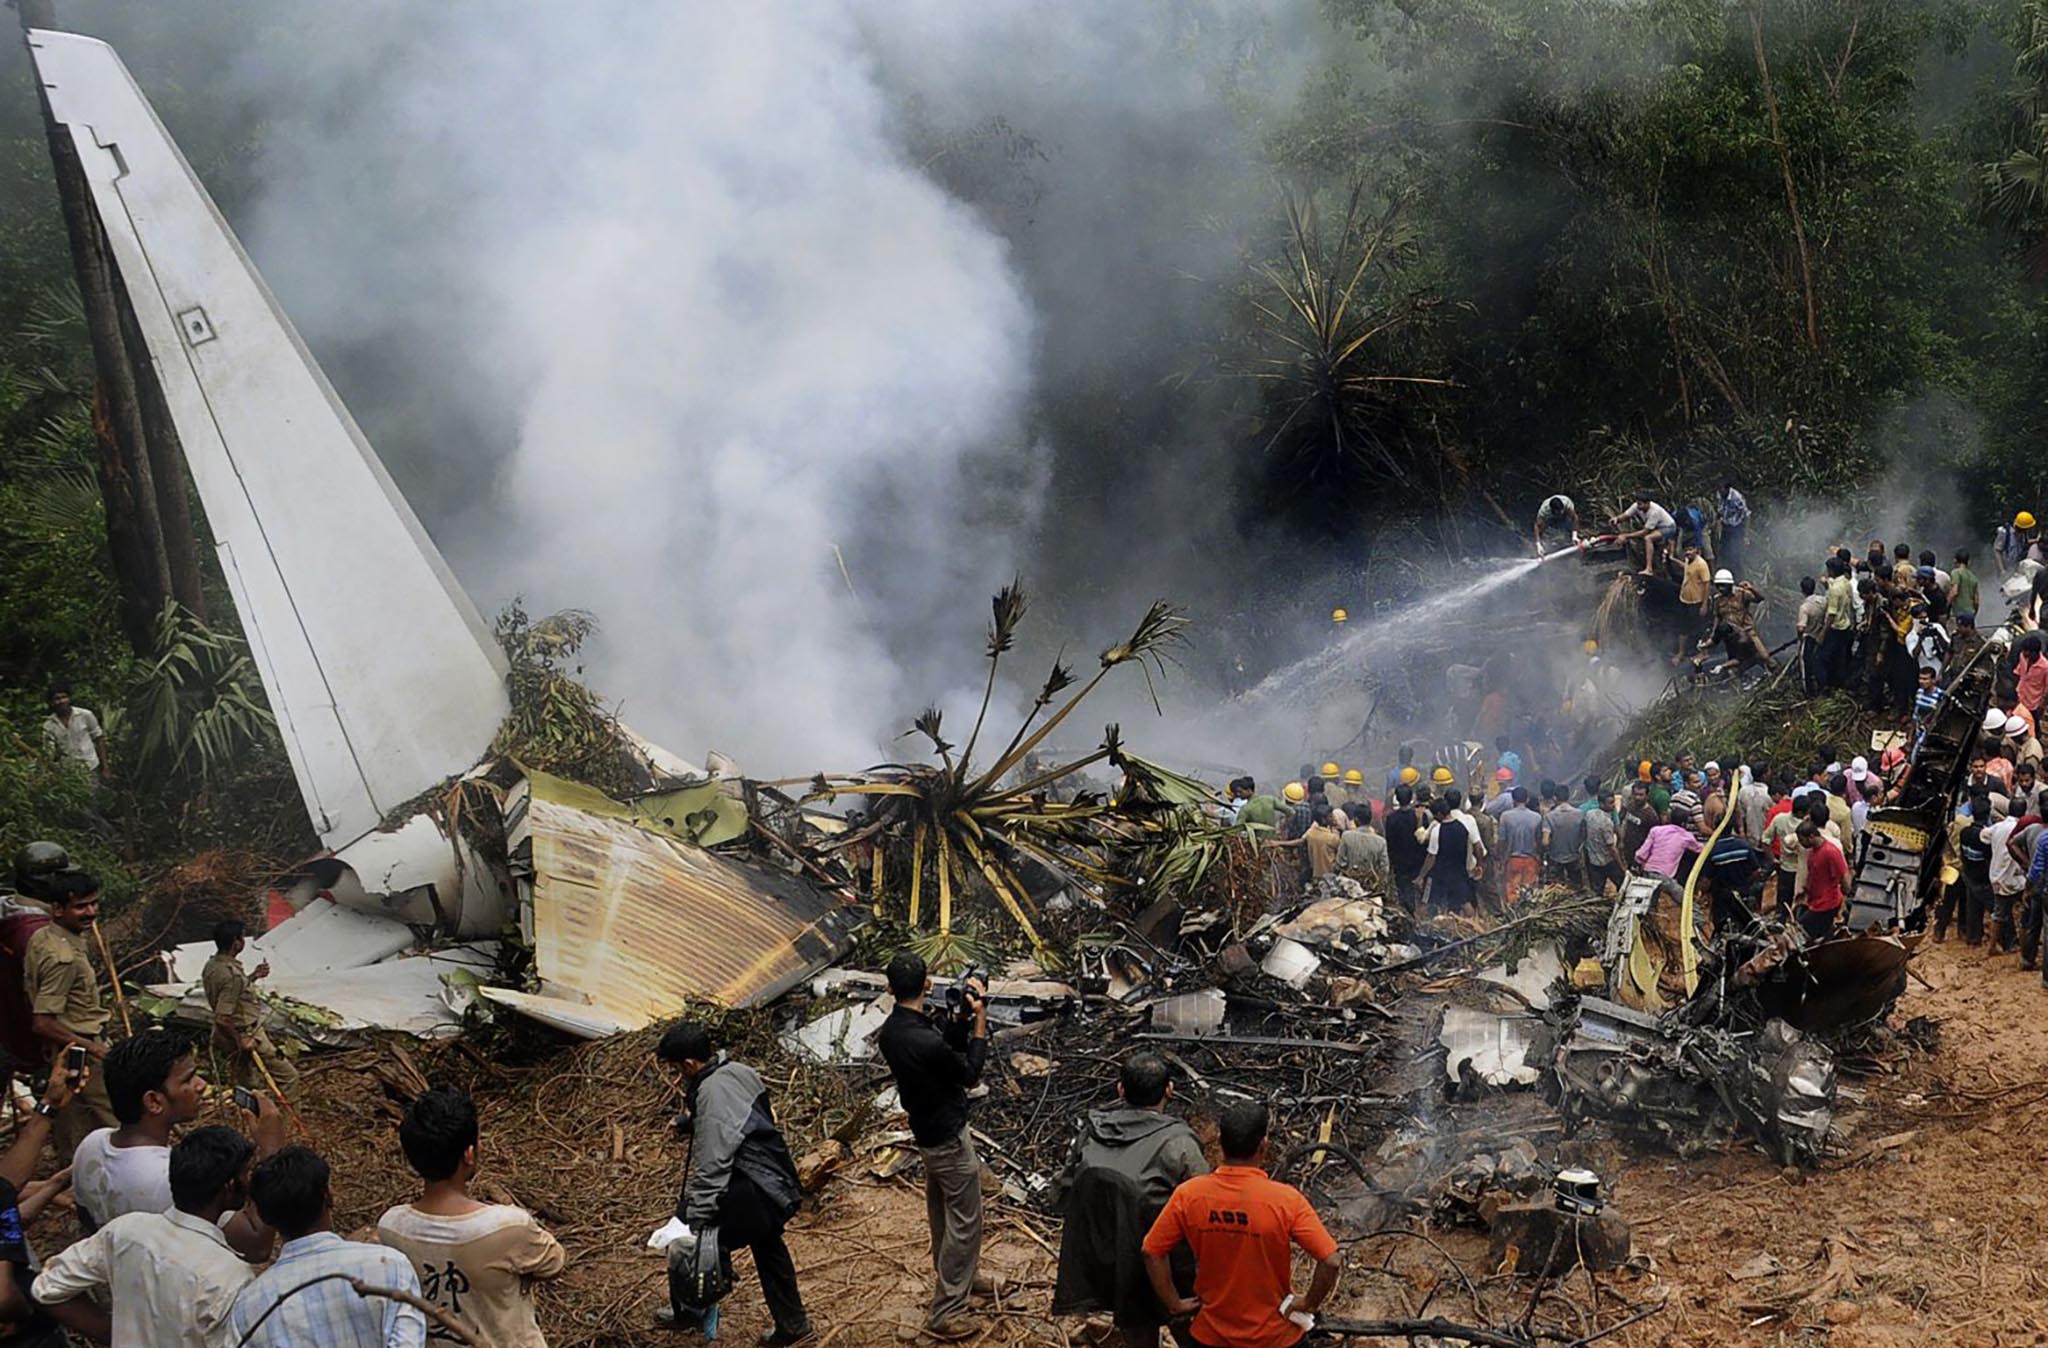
point(1925, 700)
point(329, 1314)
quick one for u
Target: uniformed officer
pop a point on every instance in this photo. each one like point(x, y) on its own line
point(65, 1003)
point(238, 1033)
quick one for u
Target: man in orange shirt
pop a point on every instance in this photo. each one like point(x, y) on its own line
point(1241, 1226)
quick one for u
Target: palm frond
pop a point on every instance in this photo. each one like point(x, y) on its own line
point(59, 503)
point(198, 710)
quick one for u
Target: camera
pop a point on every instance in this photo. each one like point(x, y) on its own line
point(956, 992)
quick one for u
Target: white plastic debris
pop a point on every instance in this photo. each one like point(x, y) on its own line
point(843, 1035)
point(668, 1233)
point(1291, 962)
point(1190, 1012)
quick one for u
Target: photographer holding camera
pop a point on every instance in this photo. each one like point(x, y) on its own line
point(935, 1059)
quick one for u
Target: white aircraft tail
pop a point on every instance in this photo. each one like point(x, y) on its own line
point(383, 678)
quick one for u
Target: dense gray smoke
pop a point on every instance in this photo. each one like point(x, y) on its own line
point(730, 328)
point(761, 332)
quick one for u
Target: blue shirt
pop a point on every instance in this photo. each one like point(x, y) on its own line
point(1734, 509)
point(1925, 700)
point(329, 1314)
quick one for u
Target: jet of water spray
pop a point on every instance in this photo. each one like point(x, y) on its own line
point(1379, 637)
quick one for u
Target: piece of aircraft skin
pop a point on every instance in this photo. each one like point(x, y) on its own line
point(383, 678)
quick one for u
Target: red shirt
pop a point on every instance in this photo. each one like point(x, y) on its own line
point(1241, 1226)
point(1782, 805)
point(1827, 870)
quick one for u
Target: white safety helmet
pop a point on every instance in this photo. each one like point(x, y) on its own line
point(1994, 722)
point(1724, 577)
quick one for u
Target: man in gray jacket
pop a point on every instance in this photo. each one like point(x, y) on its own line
point(1146, 1152)
point(741, 1179)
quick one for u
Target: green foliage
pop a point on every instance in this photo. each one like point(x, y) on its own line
point(2015, 185)
point(1332, 346)
point(557, 724)
point(1600, 198)
point(197, 711)
point(43, 797)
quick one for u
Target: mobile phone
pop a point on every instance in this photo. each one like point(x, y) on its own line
point(74, 1059)
point(245, 1099)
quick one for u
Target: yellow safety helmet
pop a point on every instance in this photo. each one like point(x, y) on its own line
point(1332, 770)
point(1338, 615)
point(1410, 776)
point(1592, 647)
point(1353, 777)
point(2023, 520)
point(1295, 792)
point(1443, 776)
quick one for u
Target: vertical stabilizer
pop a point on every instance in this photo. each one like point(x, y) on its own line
point(383, 678)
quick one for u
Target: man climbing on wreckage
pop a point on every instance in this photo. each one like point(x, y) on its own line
point(1734, 606)
point(1659, 530)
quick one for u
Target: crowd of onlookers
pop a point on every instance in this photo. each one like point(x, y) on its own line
point(203, 1236)
point(1436, 848)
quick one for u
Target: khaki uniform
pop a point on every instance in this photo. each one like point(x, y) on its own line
point(58, 976)
point(229, 996)
point(1731, 609)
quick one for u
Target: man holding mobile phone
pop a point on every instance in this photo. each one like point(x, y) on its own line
point(238, 1033)
point(153, 1079)
point(22, 1200)
point(935, 1061)
point(64, 1000)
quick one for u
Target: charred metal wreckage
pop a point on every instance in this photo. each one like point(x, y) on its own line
point(1749, 1046)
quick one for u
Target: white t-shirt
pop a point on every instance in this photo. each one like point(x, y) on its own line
point(2007, 875)
point(1652, 515)
point(113, 1181)
point(76, 740)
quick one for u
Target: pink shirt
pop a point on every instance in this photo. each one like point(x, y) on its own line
point(1661, 851)
point(2033, 681)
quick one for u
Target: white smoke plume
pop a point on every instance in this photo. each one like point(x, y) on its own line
point(667, 311)
point(731, 370)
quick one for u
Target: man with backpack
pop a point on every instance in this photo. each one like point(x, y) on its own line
point(741, 1183)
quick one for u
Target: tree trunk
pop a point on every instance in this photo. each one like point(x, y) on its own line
point(1763, 66)
point(167, 468)
point(134, 568)
point(139, 461)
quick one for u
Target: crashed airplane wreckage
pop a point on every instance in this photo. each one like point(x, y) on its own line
point(1689, 1051)
point(447, 864)
point(388, 690)
point(386, 685)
